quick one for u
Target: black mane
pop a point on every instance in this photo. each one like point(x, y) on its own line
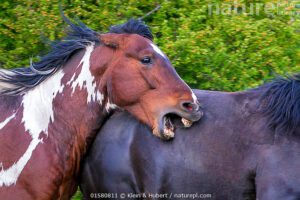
point(20, 80)
point(133, 26)
point(281, 103)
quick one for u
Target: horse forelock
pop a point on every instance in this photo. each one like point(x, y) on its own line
point(281, 103)
point(133, 26)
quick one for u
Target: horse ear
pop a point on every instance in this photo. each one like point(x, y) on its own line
point(112, 40)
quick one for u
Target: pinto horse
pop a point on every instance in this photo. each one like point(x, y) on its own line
point(247, 146)
point(51, 111)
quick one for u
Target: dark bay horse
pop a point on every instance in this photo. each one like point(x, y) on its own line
point(246, 146)
point(51, 111)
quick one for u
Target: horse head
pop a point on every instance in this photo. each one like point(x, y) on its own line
point(139, 77)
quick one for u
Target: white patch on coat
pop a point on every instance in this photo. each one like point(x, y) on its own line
point(2, 124)
point(37, 104)
point(10, 176)
point(194, 97)
point(85, 79)
point(157, 50)
point(110, 106)
point(37, 115)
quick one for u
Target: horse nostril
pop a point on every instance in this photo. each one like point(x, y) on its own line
point(190, 106)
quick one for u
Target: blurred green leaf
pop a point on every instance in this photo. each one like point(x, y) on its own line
point(209, 50)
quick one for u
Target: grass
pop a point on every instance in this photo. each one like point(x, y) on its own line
point(77, 195)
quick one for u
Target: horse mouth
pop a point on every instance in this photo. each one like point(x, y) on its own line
point(170, 122)
point(168, 130)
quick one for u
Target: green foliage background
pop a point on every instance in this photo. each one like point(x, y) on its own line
point(209, 50)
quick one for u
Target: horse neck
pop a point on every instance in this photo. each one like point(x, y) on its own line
point(88, 101)
point(68, 105)
point(60, 115)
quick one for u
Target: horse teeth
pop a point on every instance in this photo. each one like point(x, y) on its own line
point(186, 123)
point(168, 133)
point(168, 124)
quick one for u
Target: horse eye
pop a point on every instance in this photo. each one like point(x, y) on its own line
point(146, 61)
